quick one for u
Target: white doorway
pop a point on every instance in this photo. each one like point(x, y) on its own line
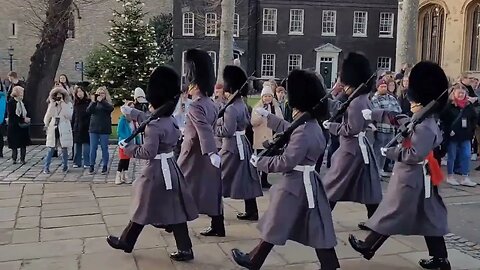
point(327, 63)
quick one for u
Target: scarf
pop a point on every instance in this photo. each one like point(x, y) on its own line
point(20, 111)
point(461, 103)
point(436, 174)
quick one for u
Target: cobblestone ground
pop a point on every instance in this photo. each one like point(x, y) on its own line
point(59, 222)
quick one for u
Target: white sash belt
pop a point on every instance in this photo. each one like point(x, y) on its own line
point(167, 177)
point(306, 170)
point(427, 180)
point(363, 147)
point(238, 136)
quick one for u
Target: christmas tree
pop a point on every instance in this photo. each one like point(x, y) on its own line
point(131, 52)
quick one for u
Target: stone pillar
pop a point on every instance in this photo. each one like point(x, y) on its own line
point(407, 27)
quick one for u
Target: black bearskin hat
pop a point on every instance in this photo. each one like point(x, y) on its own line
point(200, 70)
point(427, 82)
point(304, 90)
point(235, 77)
point(163, 86)
point(355, 71)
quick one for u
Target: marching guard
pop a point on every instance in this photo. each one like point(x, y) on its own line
point(160, 196)
point(240, 179)
point(299, 209)
point(199, 159)
point(412, 204)
point(354, 176)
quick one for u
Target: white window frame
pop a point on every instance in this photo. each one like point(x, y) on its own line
point(13, 29)
point(302, 21)
point(209, 24)
point(184, 54)
point(192, 24)
point(272, 65)
point(355, 15)
point(388, 62)
point(236, 25)
point(388, 34)
point(274, 25)
point(329, 34)
point(213, 55)
point(298, 59)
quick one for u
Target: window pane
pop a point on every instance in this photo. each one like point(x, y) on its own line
point(188, 24)
point(268, 65)
point(329, 18)
point(294, 62)
point(386, 24)
point(211, 24)
point(360, 23)
point(236, 25)
point(269, 21)
point(296, 21)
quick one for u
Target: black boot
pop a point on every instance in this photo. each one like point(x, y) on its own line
point(265, 183)
point(251, 211)
point(435, 263)
point(255, 259)
point(182, 256)
point(217, 227)
point(328, 259)
point(128, 239)
point(167, 228)
point(368, 247)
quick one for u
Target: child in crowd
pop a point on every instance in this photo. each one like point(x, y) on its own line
point(124, 130)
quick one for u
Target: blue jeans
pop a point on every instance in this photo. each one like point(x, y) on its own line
point(48, 158)
point(102, 139)
point(459, 152)
point(82, 150)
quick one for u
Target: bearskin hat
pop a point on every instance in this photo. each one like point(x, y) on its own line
point(235, 77)
point(163, 86)
point(200, 70)
point(427, 82)
point(355, 71)
point(304, 90)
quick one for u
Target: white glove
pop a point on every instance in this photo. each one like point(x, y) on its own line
point(126, 110)
point(254, 160)
point(215, 160)
point(122, 144)
point(383, 151)
point(262, 112)
point(452, 133)
point(367, 114)
point(326, 124)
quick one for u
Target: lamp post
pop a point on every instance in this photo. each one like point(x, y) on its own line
point(10, 54)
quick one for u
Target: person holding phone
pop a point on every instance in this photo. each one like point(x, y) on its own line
point(57, 120)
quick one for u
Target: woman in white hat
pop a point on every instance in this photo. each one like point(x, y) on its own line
point(261, 132)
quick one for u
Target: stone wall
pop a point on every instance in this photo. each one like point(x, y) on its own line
point(90, 31)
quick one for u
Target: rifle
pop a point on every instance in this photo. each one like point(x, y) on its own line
point(352, 96)
point(234, 96)
point(159, 112)
point(407, 128)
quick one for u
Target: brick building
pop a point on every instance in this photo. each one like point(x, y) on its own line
point(275, 36)
point(88, 28)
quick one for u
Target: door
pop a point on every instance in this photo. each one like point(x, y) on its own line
point(326, 71)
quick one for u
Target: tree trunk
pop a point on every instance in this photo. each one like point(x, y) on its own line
point(407, 26)
point(226, 38)
point(45, 61)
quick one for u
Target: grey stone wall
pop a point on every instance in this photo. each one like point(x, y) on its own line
point(90, 31)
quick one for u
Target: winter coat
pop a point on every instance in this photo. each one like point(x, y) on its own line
point(152, 202)
point(81, 121)
point(63, 111)
point(261, 132)
point(461, 122)
point(3, 106)
point(16, 135)
point(405, 210)
point(289, 216)
point(100, 117)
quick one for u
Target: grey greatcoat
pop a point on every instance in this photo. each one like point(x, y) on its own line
point(288, 216)
point(349, 178)
point(152, 203)
point(203, 179)
point(239, 178)
point(404, 209)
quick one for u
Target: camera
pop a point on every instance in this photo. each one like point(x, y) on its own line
point(57, 98)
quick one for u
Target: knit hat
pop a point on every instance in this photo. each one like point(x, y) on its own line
point(267, 89)
point(381, 81)
point(139, 95)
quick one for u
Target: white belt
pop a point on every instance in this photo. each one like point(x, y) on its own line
point(238, 136)
point(307, 183)
point(427, 180)
point(167, 177)
point(363, 147)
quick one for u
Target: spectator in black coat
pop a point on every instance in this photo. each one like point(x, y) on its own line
point(18, 125)
point(81, 123)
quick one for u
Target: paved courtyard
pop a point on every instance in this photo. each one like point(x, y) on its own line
point(60, 221)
